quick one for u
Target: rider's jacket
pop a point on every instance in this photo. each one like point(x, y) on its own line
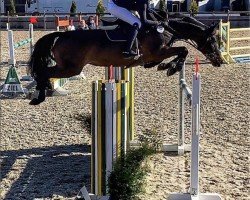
point(137, 5)
point(141, 6)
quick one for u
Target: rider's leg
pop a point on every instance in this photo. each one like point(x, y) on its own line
point(127, 16)
point(131, 39)
point(123, 14)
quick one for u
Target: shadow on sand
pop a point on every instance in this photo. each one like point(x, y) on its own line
point(47, 172)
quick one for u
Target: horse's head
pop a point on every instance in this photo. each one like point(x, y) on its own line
point(188, 28)
point(208, 45)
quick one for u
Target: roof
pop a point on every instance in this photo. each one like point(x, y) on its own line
point(181, 1)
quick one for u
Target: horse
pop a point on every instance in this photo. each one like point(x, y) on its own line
point(72, 50)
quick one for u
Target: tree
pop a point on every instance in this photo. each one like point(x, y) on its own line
point(100, 8)
point(12, 7)
point(73, 9)
point(194, 8)
point(162, 5)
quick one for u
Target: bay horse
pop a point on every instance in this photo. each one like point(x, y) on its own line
point(72, 50)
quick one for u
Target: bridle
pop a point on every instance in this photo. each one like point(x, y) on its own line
point(212, 55)
point(179, 37)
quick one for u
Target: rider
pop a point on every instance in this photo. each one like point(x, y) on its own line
point(122, 10)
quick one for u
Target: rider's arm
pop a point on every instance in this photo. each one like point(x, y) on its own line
point(143, 15)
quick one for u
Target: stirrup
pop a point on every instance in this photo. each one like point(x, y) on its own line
point(128, 54)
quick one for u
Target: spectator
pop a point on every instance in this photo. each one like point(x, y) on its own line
point(91, 22)
point(82, 25)
point(71, 26)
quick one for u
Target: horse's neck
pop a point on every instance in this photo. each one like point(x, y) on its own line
point(185, 30)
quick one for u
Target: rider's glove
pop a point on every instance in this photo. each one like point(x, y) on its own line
point(163, 24)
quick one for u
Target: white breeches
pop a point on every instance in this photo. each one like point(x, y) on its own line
point(123, 14)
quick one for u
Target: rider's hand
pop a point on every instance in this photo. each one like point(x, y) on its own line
point(158, 23)
point(163, 24)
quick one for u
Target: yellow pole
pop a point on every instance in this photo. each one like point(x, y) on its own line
point(118, 117)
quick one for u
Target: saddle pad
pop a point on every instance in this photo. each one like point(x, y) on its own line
point(108, 27)
point(116, 35)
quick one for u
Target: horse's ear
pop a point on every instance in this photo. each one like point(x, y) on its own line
point(211, 30)
point(162, 13)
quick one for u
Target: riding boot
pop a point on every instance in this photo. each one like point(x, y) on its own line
point(132, 36)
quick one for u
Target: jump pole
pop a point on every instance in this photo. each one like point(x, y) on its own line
point(184, 93)
point(194, 193)
point(12, 86)
point(110, 129)
point(226, 48)
point(127, 74)
point(13, 46)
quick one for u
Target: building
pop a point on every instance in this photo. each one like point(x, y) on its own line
point(19, 5)
point(176, 5)
point(50, 6)
point(214, 5)
point(89, 6)
point(224, 5)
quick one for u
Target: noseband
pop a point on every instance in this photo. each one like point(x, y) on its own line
point(204, 46)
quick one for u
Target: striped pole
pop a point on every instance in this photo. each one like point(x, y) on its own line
point(121, 73)
point(227, 48)
point(109, 129)
point(13, 46)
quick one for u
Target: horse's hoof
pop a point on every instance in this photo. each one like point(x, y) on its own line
point(171, 71)
point(161, 67)
point(164, 66)
point(49, 93)
point(35, 101)
point(148, 65)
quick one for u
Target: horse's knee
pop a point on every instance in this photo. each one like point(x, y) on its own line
point(75, 71)
point(184, 52)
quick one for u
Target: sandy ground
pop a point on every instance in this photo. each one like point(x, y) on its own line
point(45, 150)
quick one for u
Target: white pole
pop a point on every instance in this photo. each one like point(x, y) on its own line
point(194, 185)
point(96, 138)
point(2, 6)
point(181, 135)
point(194, 177)
point(184, 91)
point(0, 47)
point(31, 34)
point(12, 60)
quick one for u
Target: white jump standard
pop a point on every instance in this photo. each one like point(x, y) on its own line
point(184, 91)
point(194, 193)
point(13, 46)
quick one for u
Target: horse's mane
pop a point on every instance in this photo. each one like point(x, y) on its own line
point(164, 16)
point(178, 25)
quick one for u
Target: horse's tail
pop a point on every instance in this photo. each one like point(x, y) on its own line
point(41, 56)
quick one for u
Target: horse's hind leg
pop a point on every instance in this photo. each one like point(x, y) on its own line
point(42, 82)
point(56, 71)
point(67, 70)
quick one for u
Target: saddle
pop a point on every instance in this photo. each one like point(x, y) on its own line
point(116, 30)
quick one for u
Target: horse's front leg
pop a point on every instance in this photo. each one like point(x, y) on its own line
point(177, 63)
point(151, 64)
